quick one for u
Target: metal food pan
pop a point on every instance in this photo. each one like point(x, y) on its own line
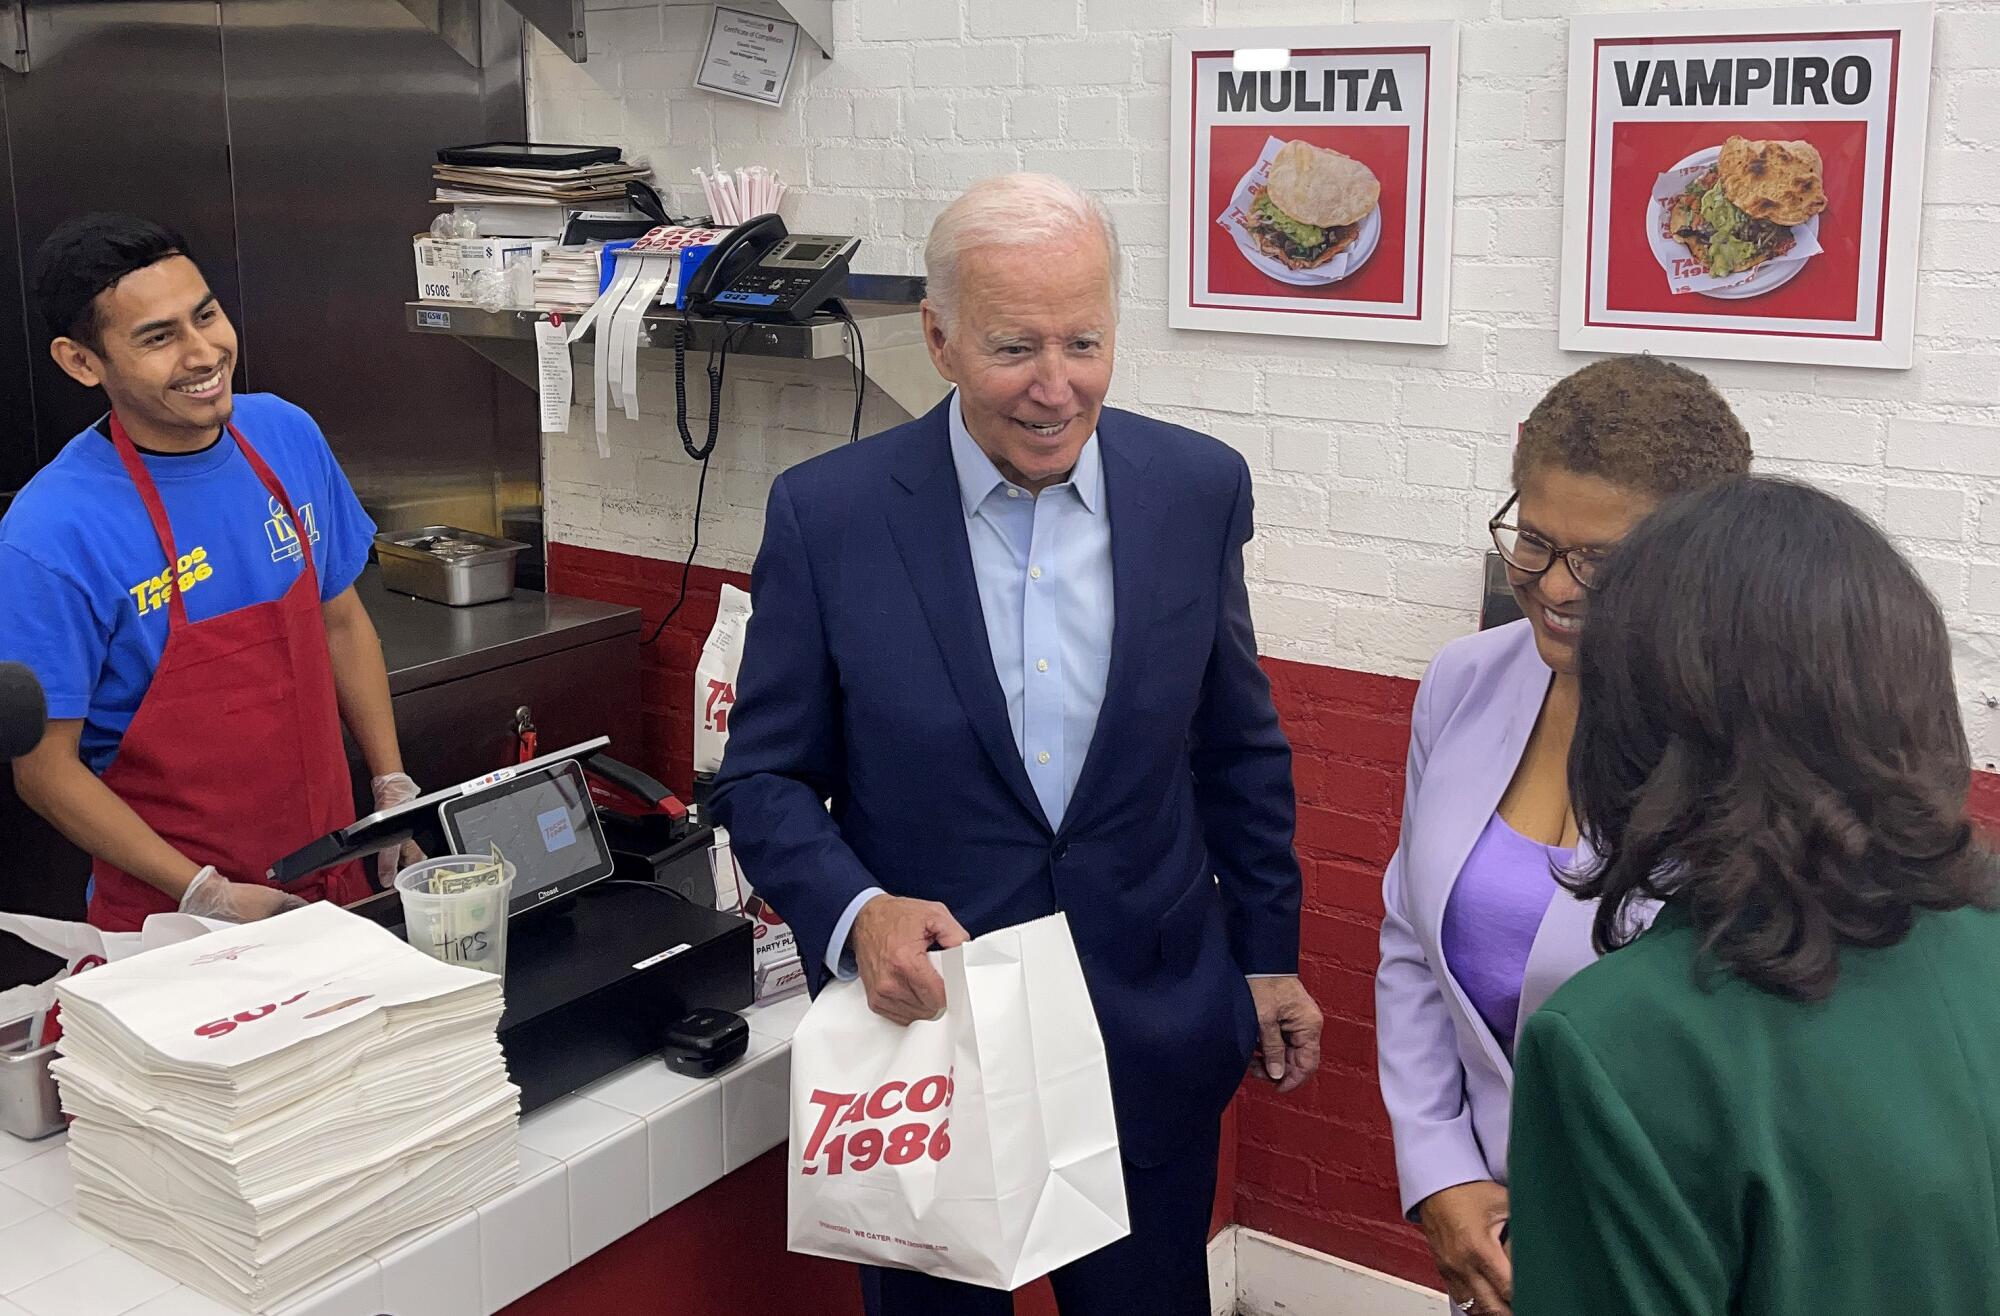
point(30, 1107)
point(448, 565)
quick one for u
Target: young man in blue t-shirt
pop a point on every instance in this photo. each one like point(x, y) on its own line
point(181, 579)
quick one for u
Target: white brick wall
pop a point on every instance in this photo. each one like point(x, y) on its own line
point(1376, 465)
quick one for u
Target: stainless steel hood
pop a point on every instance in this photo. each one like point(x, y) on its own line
point(562, 21)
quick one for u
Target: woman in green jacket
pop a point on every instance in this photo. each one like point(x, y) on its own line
point(1784, 1098)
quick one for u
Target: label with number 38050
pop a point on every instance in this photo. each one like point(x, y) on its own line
point(897, 1124)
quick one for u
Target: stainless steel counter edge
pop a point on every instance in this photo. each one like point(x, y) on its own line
point(426, 644)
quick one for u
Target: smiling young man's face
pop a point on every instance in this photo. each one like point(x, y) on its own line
point(1031, 352)
point(164, 354)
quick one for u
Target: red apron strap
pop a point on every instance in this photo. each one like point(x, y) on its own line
point(149, 494)
point(156, 510)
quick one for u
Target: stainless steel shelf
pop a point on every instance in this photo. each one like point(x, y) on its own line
point(892, 333)
point(884, 324)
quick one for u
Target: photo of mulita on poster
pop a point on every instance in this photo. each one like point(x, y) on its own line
point(1312, 180)
point(1745, 185)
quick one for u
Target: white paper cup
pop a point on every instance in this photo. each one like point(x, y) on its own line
point(468, 927)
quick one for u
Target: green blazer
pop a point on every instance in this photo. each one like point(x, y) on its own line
point(1689, 1150)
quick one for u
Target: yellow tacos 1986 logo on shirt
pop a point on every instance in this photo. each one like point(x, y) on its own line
point(152, 593)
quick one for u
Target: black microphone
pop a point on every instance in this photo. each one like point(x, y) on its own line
point(24, 712)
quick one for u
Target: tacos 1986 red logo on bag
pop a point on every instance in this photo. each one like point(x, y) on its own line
point(901, 1123)
point(224, 1027)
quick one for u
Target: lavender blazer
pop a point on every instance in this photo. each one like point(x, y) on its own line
point(1445, 1078)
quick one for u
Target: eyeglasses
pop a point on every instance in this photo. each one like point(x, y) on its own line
point(1533, 555)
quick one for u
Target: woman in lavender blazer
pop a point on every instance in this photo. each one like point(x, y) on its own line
point(1476, 932)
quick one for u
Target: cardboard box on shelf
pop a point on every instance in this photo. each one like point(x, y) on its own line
point(445, 266)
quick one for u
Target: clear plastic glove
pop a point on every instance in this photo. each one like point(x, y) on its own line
point(211, 895)
point(391, 791)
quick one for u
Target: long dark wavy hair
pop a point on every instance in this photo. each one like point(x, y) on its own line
point(1770, 735)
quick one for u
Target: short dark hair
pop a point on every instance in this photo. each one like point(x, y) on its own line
point(1770, 734)
point(86, 255)
point(1639, 422)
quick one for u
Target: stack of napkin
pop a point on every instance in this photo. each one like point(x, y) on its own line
point(257, 1107)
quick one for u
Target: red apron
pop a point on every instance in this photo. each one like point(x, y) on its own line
point(235, 755)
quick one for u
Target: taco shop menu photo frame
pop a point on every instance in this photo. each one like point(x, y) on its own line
point(1747, 185)
point(1311, 180)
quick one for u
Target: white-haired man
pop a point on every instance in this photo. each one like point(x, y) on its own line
point(1011, 641)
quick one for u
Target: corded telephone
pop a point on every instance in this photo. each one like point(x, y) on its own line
point(760, 271)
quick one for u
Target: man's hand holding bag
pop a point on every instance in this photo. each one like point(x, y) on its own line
point(978, 1146)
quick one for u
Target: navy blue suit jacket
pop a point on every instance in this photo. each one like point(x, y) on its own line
point(867, 679)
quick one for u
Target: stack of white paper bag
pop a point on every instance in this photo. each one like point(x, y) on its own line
point(257, 1107)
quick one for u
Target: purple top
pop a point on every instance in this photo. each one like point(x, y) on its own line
point(1491, 919)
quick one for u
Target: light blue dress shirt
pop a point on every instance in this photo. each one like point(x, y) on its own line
point(1043, 567)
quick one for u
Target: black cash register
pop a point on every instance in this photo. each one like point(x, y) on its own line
point(598, 967)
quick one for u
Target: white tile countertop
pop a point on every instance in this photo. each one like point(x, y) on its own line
point(594, 1167)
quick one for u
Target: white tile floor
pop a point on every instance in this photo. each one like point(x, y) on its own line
point(594, 1167)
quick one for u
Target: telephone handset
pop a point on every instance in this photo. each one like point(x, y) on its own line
point(732, 255)
point(761, 271)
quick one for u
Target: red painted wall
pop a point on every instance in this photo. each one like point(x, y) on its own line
point(666, 672)
point(1316, 1167)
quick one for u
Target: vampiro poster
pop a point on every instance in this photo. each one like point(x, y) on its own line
point(1746, 185)
point(1311, 180)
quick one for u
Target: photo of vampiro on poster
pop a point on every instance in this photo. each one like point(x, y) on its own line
point(1312, 188)
point(1742, 185)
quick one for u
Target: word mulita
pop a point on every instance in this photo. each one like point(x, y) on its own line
point(1292, 89)
point(1806, 80)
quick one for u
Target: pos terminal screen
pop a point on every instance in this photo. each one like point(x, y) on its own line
point(544, 824)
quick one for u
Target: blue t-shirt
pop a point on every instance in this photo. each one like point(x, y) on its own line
point(83, 597)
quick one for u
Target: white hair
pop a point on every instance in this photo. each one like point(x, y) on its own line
point(1010, 210)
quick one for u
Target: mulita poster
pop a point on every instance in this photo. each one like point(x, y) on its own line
point(1311, 181)
point(1746, 185)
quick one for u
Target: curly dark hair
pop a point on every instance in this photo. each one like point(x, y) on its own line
point(1770, 735)
point(86, 255)
point(1637, 421)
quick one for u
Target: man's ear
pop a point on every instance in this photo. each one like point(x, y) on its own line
point(934, 340)
point(78, 361)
